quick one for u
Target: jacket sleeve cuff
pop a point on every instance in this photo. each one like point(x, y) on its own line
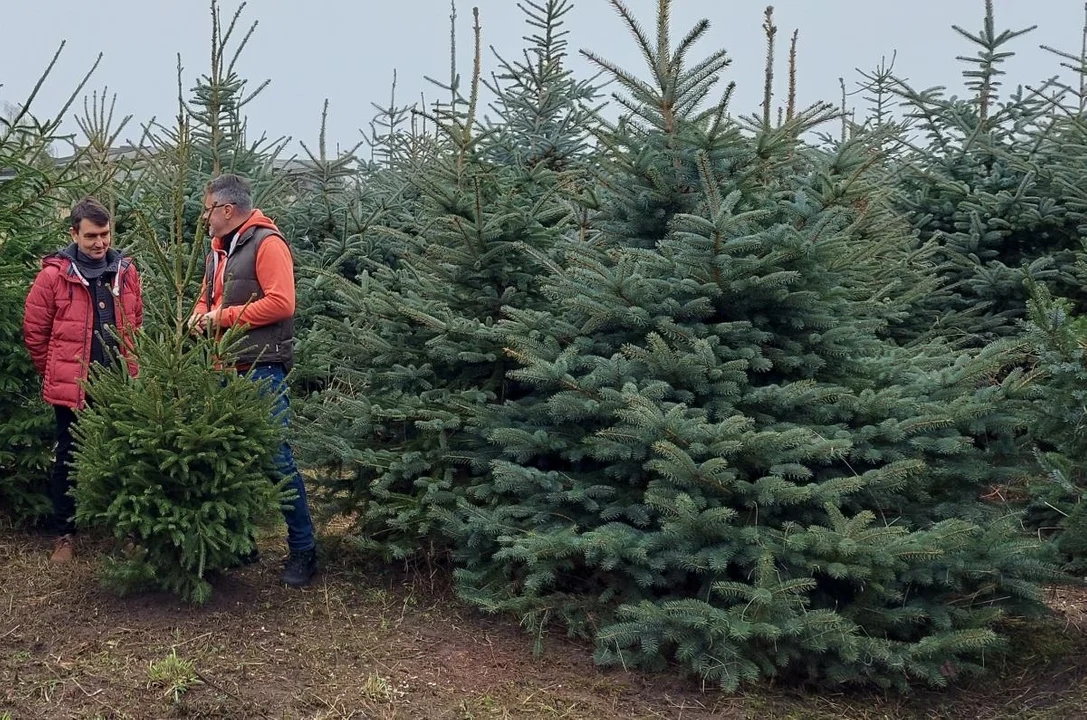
point(231, 315)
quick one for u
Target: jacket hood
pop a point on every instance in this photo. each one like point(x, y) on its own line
point(256, 219)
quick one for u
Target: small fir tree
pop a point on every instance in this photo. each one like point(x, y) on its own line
point(179, 460)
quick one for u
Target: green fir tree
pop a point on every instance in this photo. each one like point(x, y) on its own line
point(722, 463)
point(414, 337)
point(33, 190)
point(1057, 339)
point(176, 463)
point(980, 178)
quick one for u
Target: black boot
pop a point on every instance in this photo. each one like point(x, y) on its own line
point(300, 567)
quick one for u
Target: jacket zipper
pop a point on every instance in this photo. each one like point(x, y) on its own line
point(86, 345)
point(119, 320)
point(117, 313)
point(218, 270)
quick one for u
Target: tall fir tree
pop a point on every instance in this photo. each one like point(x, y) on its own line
point(415, 339)
point(997, 189)
point(33, 191)
point(218, 142)
point(721, 462)
point(1056, 332)
point(978, 180)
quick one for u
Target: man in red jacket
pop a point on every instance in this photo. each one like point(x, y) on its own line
point(249, 283)
point(83, 308)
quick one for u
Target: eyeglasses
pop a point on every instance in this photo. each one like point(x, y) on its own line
point(209, 210)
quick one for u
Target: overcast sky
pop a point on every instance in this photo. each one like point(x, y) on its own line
point(346, 51)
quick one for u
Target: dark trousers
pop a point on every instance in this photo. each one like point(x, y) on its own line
point(63, 504)
point(300, 535)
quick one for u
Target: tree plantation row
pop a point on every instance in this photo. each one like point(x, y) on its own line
point(796, 393)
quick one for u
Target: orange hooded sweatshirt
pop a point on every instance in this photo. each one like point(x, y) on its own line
point(275, 273)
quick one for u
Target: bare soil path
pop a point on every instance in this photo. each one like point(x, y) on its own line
point(393, 645)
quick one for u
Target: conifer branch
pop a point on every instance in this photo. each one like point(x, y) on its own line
point(844, 113)
point(791, 106)
point(477, 69)
point(25, 107)
point(987, 81)
point(639, 35)
point(664, 39)
point(453, 78)
point(770, 29)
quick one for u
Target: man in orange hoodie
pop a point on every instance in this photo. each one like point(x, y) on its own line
point(249, 282)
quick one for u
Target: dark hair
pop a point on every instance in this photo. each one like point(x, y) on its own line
point(231, 189)
point(89, 209)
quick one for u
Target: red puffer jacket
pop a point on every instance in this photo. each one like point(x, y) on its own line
point(59, 322)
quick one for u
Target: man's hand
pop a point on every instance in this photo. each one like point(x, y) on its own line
point(210, 321)
point(203, 322)
point(196, 324)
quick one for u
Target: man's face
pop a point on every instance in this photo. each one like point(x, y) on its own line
point(219, 218)
point(91, 239)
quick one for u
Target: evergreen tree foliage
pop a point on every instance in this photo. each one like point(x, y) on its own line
point(330, 185)
point(1057, 338)
point(32, 225)
point(1056, 335)
point(998, 188)
point(721, 463)
point(177, 462)
point(326, 223)
point(218, 143)
point(414, 340)
point(691, 385)
point(544, 114)
point(980, 180)
point(219, 139)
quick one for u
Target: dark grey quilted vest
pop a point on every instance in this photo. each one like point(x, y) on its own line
point(270, 343)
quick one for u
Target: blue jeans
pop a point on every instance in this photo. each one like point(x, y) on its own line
point(299, 525)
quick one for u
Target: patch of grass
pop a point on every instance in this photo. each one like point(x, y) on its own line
point(484, 706)
point(174, 674)
point(377, 688)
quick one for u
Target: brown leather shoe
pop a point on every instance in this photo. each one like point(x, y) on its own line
point(63, 550)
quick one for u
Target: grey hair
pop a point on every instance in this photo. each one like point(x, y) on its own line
point(231, 190)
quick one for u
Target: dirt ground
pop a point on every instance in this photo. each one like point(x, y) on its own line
point(370, 644)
